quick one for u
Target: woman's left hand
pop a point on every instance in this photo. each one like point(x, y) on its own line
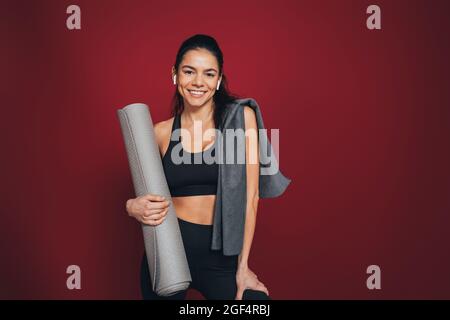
point(247, 279)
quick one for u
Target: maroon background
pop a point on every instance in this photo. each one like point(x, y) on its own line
point(364, 127)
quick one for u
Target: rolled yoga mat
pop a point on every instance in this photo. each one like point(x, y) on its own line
point(169, 269)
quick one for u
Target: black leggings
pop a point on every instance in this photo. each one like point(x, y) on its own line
point(213, 274)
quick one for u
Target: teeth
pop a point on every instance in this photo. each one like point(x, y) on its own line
point(196, 92)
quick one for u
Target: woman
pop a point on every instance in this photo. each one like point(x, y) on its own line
point(201, 96)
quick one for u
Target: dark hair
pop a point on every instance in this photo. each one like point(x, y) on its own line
point(221, 97)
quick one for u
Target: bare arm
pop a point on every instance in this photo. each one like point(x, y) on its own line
point(245, 278)
point(252, 170)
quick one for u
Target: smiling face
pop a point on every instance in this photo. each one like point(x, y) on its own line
point(197, 77)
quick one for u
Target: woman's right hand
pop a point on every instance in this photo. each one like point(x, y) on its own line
point(149, 209)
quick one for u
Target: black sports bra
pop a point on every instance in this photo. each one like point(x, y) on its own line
point(189, 179)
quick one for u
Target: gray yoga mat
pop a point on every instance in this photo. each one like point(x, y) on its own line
point(169, 269)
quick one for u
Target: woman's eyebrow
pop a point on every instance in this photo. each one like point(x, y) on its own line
point(188, 66)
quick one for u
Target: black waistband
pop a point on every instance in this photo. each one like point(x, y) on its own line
point(197, 225)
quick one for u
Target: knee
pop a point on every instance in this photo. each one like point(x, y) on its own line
point(250, 294)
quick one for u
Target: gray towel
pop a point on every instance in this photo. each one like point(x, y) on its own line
point(166, 257)
point(230, 205)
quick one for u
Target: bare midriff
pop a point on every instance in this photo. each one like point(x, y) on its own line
point(195, 209)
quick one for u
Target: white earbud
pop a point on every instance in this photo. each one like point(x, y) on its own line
point(175, 79)
point(218, 85)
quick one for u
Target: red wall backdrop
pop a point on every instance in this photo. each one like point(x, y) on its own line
point(364, 128)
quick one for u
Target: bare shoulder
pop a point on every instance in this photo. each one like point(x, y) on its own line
point(162, 131)
point(249, 117)
point(162, 127)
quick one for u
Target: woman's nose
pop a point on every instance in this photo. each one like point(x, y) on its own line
point(197, 80)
